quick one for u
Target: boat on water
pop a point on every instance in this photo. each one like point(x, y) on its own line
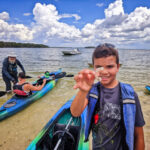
point(62, 132)
point(16, 104)
point(73, 52)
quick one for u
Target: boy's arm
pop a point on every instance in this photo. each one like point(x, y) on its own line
point(84, 81)
point(36, 88)
point(139, 123)
point(139, 138)
point(79, 103)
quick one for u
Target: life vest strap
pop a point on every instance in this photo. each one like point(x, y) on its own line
point(128, 101)
point(93, 95)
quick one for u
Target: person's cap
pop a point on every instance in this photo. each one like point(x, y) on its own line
point(12, 55)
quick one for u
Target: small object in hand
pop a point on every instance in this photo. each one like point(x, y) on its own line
point(98, 72)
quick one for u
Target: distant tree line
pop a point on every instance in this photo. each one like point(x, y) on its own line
point(23, 45)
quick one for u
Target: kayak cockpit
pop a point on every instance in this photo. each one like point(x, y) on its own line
point(69, 137)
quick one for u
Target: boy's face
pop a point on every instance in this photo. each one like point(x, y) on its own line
point(109, 72)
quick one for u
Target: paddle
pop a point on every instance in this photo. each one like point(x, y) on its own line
point(28, 77)
point(68, 75)
point(57, 76)
point(2, 93)
point(66, 129)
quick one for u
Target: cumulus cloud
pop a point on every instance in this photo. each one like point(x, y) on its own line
point(47, 25)
point(117, 27)
point(120, 28)
point(115, 8)
point(4, 16)
point(13, 32)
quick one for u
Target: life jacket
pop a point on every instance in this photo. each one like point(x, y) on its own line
point(18, 90)
point(12, 68)
point(129, 110)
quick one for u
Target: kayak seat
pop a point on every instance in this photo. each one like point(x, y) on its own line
point(70, 138)
point(23, 96)
point(45, 143)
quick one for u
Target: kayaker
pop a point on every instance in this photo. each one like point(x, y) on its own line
point(23, 88)
point(113, 108)
point(9, 70)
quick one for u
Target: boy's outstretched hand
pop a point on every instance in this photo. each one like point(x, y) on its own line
point(84, 80)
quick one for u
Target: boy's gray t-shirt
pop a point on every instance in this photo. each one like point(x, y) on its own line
point(108, 131)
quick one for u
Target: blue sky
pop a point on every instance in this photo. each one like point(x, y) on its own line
point(125, 23)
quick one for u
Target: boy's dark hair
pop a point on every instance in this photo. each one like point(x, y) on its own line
point(22, 75)
point(105, 50)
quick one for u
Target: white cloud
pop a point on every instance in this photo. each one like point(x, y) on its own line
point(77, 17)
point(47, 25)
point(117, 27)
point(14, 32)
point(120, 28)
point(27, 14)
point(4, 16)
point(100, 4)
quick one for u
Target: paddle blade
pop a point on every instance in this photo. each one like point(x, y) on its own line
point(28, 77)
point(2, 93)
point(69, 75)
point(60, 75)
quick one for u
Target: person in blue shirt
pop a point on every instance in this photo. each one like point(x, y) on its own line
point(114, 113)
point(9, 70)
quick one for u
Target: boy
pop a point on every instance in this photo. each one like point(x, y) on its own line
point(114, 111)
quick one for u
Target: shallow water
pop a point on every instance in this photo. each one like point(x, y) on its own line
point(18, 131)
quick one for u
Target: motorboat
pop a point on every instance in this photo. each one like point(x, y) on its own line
point(73, 52)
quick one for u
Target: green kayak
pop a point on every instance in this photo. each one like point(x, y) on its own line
point(62, 132)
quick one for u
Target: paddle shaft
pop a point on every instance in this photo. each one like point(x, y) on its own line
point(59, 141)
point(68, 75)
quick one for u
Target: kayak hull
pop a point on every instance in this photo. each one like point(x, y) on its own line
point(22, 102)
point(61, 118)
point(147, 87)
